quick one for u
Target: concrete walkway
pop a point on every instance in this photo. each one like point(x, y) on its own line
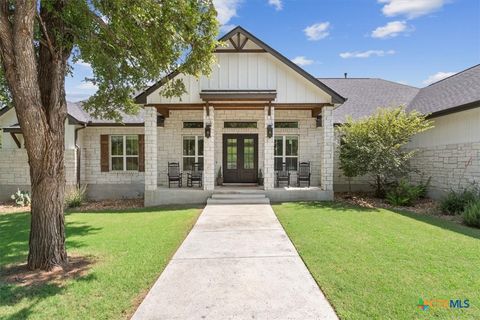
point(236, 263)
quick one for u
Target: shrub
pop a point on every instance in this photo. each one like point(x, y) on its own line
point(471, 214)
point(76, 196)
point(404, 194)
point(21, 198)
point(456, 201)
point(375, 145)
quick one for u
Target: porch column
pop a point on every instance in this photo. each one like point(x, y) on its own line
point(269, 162)
point(150, 148)
point(327, 149)
point(209, 149)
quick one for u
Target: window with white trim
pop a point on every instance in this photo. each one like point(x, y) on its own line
point(192, 152)
point(124, 152)
point(286, 151)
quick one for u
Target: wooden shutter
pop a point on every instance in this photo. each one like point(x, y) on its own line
point(141, 152)
point(104, 153)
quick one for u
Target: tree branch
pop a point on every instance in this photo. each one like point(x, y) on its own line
point(45, 33)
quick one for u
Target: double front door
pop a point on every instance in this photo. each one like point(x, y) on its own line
point(240, 158)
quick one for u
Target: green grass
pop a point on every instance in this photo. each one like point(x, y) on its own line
point(376, 264)
point(131, 249)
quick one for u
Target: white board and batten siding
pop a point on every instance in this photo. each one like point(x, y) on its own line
point(249, 71)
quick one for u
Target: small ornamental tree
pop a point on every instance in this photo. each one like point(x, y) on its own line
point(375, 146)
point(128, 43)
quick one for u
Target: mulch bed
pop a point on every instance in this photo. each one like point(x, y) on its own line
point(10, 207)
point(19, 274)
point(368, 200)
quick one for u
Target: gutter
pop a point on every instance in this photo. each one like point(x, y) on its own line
point(78, 153)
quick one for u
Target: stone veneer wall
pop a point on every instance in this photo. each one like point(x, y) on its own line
point(15, 172)
point(451, 166)
point(112, 184)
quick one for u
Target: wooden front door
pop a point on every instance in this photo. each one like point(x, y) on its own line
point(240, 158)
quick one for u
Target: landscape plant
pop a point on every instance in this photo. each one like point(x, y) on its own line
point(471, 214)
point(404, 193)
point(76, 196)
point(455, 202)
point(375, 146)
point(127, 44)
point(21, 198)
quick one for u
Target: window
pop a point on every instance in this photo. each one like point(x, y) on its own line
point(286, 151)
point(192, 152)
point(241, 124)
point(192, 124)
point(286, 124)
point(124, 153)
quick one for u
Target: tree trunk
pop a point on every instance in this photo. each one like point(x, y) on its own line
point(37, 84)
point(47, 231)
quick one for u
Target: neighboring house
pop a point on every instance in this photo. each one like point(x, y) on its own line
point(450, 152)
point(255, 112)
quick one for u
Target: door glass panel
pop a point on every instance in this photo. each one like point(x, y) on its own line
point(189, 146)
point(248, 154)
point(279, 146)
point(231, 153)
point(291, 144)
point(200, 146)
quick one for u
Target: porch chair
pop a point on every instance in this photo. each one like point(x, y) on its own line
point(283, 175)
point(174, 174)
point(196, 176)
point(303, 173)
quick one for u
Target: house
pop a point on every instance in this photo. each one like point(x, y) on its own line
point(255, 114)
point(256, 111)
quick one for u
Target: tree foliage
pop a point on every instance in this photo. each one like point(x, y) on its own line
point(128, 43)
point(375, 146)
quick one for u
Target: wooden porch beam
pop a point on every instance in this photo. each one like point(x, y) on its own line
point(17, 142)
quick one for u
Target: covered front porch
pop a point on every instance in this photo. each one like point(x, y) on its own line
point(246, 142)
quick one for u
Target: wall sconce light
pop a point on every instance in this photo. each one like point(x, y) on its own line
point(269, 131)
point(208, 130)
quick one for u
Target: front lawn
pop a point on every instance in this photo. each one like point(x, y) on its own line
point(376, 263)
point(129, 249)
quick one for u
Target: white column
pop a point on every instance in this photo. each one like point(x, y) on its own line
point(269, 163)
point(150, 148)
point(209, 150)
point(327, 149)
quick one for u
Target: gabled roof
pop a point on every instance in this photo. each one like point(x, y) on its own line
point(365, 96)
point(457, 92)
point(238, 47)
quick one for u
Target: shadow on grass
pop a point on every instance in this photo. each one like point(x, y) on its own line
point(337, 206)
point(441, 223)
point(15, 233)
point(161, 209)
point(425, 218)
point(15, 229)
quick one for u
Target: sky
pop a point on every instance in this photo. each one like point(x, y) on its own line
point(414, 42)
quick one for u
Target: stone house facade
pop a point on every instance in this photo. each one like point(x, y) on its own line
point(257, 114)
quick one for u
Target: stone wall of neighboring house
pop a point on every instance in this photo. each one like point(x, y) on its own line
point(111, 184)
point(15, 172)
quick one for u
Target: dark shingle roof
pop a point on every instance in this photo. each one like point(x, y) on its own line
point(76, 111)
point(455, 91)
point(365, 96)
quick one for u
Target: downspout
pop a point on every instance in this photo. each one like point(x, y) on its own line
point(78, 152)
